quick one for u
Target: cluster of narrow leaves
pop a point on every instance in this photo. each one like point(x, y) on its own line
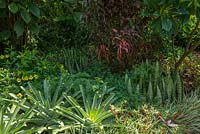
point(156, 87)
point(14, 121)
point(103, 53)
point(92, 114)
point(55, 110)
point(187, 113)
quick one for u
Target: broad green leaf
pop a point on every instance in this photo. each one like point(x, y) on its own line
point(19, 28)
point(77, 16)
point(166, 24)
point(34, 10)
point(156, 25)
point(34, 28)
point(145, 13)
point(2, 4)
point(13, 7)
point(25, 16)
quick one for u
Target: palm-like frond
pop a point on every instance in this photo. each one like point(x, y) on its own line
point(11, 122)
point(92, 114)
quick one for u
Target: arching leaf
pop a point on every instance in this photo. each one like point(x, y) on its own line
point(34, 10)
point(77, 16)
point(166, 24)
point(34, 28)
point(156, 25)
point(25, 16)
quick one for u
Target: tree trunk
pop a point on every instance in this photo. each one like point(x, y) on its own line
point(189, 48)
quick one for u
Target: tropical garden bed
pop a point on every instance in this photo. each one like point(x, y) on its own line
point(99, 67)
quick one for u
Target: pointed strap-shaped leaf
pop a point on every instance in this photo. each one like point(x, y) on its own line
point(1, 120)
point(85, 101)
point(47, 90)
point(94, 102)
point(76, 106)
point(58, 89)
point(66, 112)
point(108, 101)
point(9, 124)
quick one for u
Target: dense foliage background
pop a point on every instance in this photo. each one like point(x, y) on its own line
point(99, 66)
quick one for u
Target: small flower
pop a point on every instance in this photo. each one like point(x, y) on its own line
point(25, 78)
point(29, 98)
point(19, 95)
point(19, 72)
point(62, 67)
point(19, 80)
point(35, 76)
point(31, 90)
point(30, 77)
point(2, 57)
point(7, 56)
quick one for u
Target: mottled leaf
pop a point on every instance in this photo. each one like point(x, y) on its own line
point(19, 28)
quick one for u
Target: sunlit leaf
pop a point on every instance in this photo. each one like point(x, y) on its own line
point(13, 7)
point(166, 24)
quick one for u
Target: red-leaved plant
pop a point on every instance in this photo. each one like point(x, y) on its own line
point(103, 52)
point(118, 50)
point(123, 48)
